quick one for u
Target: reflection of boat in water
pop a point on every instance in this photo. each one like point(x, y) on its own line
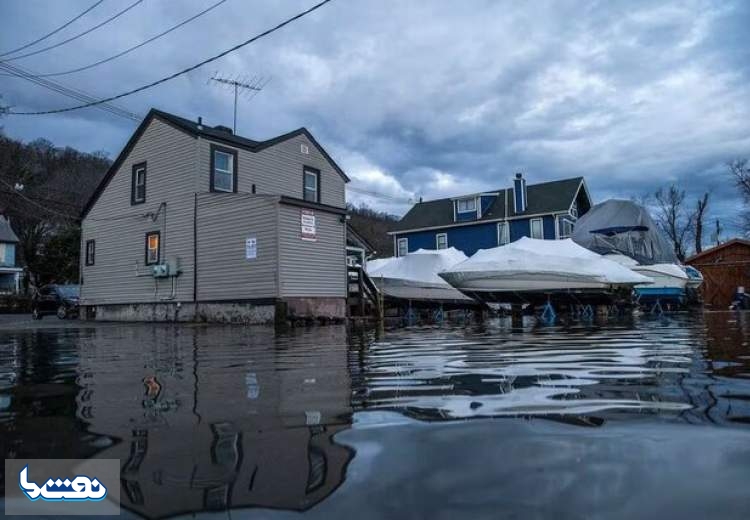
point(530, 270)
point(415, 276)
point(625, 232)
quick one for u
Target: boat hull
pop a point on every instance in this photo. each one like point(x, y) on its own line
point(419, 291)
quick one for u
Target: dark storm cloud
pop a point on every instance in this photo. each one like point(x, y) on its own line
point(434, 98)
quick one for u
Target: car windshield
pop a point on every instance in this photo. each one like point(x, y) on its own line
point(69, 291)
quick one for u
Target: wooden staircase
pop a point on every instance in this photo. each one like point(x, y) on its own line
point(364, 299)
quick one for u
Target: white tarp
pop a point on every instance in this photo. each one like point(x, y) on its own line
point(528, 256)
point(420, 266)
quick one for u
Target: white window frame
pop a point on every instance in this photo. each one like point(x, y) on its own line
point(305, 173)
point(437, 240)
point(223, 172)
point(141, 170)
point(473, 209)
point(541, 228)
point(399, 242)
point(503, 233)
point(560, 220)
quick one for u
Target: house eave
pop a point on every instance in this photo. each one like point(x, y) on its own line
point(476, 222)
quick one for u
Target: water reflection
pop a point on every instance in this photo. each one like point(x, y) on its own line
point(208, 418)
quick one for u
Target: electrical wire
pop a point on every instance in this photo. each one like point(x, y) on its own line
point(376, 194)
point(54, 86)
point(63, 26)
point(126, 51)
point(179, 73)
point(41, 206)
point(79, 35)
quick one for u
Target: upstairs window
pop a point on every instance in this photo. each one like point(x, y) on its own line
point(402, 247)
point(223, 169)
point(138, 184)
point(311, 185)
point(441, 241)
point(153, 248)
point(467, 205)
point(537, 231)
point(565, 227)
point(503, 233)
point(90, 252)
point(574, 209)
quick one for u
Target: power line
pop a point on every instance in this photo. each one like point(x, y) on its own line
point(79, 35)
point(377, 194)
point(131, 49)
point(66, 91)
point(41, 206)
point(183, 71)
point(63, 26)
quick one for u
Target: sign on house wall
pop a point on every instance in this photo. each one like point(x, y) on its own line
point(307, 223)
point(251, 248)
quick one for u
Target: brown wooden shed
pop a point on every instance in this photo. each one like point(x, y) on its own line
point(724, 268)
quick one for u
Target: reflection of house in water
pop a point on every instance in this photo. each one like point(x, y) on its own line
point(212, 422)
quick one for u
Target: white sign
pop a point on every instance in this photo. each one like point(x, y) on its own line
point(251, 248)
point(307, 222)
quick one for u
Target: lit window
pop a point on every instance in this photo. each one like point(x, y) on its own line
point(467, 205)
point(536, 228)
point(224, 170)
point(503, 233)
point(441, 240)
point(90, 252)
point(402, 247)
point(312, 178)
point(153, 253)
point(138, 188)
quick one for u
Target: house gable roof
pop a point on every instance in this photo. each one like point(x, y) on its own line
point(712, 250)
point(6, 232)
point(194, 129)
point(546, 197)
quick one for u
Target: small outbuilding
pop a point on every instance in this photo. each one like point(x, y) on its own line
point(725, 268)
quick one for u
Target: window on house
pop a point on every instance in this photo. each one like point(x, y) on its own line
point(503, 233)
point(138, 188)
point(311, 185)
point(441, 241)
point(402, 247)
point(223, 169)
point(153, 248)
point(536, 228)
point(90, 252)
point(467, 205)
point(565, 229)
point(574, 209)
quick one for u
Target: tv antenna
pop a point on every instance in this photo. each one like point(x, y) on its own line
point(251, 87)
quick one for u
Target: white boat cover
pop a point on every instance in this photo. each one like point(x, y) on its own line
point(378, 263)
point(421, 266)
point(529, 256)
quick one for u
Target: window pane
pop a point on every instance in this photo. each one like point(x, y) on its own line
point(403, 247)
point(311, 180)
point(222, 181)
point(153, 248)
point(140, 177)
point(222, 161)
point(466, 205)
point(536, 229)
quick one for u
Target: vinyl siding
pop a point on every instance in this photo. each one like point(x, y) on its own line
point(278, 170)
point(120, 274)
point(312, 268)
point(225, 221)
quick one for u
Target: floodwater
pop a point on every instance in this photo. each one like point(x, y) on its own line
point(639, 418)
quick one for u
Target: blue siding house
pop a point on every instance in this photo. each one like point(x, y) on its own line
point(547, 210)
point(10, 275)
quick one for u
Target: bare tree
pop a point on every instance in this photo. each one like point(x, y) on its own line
point(673, 218)
point(740, 169)
point(700, 213)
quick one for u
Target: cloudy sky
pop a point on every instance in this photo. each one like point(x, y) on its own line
point(425, 98)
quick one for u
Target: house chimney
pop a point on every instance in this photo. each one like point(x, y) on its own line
point(200, 123)
point(520, 201)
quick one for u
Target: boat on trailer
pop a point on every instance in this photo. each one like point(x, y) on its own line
point(624, 232)
point(542, 271)
point(414, 277)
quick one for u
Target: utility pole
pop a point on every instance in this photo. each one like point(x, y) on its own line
point(255, 85)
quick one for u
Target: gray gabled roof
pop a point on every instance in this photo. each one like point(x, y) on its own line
point(545, 197)
point(6, 232)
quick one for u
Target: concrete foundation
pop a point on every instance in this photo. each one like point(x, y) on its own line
point(293, 309)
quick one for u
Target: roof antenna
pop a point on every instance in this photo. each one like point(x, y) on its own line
point(254, 85)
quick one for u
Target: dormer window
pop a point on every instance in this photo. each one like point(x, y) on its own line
point(467, 205)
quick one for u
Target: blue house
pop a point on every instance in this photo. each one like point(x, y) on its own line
point(547, 210)
point(10, 275)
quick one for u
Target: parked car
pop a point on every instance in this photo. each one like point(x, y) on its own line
point(61, 300)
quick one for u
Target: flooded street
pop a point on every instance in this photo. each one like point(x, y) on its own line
point(640, 418)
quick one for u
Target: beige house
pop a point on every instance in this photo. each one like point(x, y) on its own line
point(193, 223)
